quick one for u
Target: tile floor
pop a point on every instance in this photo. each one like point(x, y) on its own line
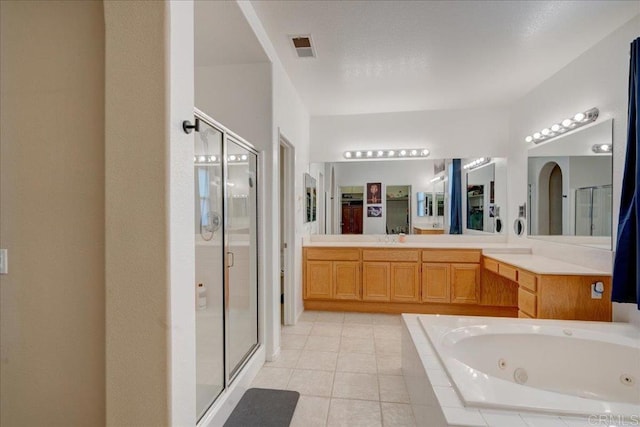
point(346, 367)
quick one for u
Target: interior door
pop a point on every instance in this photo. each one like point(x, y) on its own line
point(241, 253)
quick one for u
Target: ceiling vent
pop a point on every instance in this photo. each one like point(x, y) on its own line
point(303, 46)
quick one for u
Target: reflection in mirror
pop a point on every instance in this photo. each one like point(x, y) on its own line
point(424, 203)
point(518, 226)
point(481, 208)
point(570, 187)
point(310, 198)
point(351, 209)
point(424, 200)
point(398, 209)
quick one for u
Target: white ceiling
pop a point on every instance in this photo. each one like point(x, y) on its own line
point(388, 56)
point(223, 36)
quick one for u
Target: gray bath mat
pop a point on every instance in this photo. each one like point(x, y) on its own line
point(264, 407)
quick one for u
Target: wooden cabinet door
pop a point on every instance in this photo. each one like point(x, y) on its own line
point(346, 280)
point(436, 282)
point(318, 280)
point(376, 281)
point(405, 282)
point(465, 283)
point(351, 219)
point(356, 214)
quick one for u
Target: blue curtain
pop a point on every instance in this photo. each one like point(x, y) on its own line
point(456, 199)
point(626, 280)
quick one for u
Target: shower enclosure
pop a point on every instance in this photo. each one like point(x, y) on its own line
point(226, 287)
point(593, 211)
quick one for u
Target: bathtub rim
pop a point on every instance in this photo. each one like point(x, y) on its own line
point(548, 402)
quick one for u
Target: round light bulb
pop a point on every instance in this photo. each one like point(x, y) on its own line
point(414, 152)
point(212, 158)
point(195, 159)
point(528, 139)
point(403, 153)
point(244, 157)
point(232, 157)
point(391, 152)
point(537, 135)
point(555, 128)
point(347, 154)
point(202, 159)
point(369, 153)
point(380, 153)
point(546, 131)
point(579, 117)
point(567, 122)
point(358, 154)
point(425, 152)
point(605, 147)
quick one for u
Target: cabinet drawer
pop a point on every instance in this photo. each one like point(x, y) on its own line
point(333, 254)
point(451, 255)
point(527, 280)
point(491, 265)
point(527, 302)
point(390, 255)
point(508, 272)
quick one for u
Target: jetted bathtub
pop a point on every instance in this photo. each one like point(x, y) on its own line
point(549, 366)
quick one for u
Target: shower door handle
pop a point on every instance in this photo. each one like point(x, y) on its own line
point(230, 259)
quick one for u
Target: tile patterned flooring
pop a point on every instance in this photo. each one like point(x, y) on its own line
point(346, 367)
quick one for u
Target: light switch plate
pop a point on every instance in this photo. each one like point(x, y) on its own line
point(4, 262)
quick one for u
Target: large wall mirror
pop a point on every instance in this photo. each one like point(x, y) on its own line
point(570, 187)
point(414, 195)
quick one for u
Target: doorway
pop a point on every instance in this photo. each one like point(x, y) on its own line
point(398, 209)
point(286, 171)
point(555, 201)
point(351, 209)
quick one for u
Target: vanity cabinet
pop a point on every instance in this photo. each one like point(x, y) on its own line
point(465, 283)
point(376, 281)
point(420, 230)
point(436, 282)
point(555, 296)
point(390, 275)
point(397, 280)
point(332, 274)
point(451, 276)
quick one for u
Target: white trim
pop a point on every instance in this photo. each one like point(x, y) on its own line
point(290, 317)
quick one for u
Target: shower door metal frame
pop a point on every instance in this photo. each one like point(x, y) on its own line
point(575, 209)
point(230, 373)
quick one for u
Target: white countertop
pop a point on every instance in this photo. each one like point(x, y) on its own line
point(489, 247)
point(543, 265)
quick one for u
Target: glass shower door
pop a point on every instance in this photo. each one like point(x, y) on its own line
point(241, 253)
point(210, 378)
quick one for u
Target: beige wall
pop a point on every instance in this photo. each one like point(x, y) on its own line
point(150, 258)
point(52, 366)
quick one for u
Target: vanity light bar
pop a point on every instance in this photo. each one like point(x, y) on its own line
point(216, 159)
point(438, 178)
point(580, 119)
point(401, 153)
point(477, 163)
point(602, 148)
